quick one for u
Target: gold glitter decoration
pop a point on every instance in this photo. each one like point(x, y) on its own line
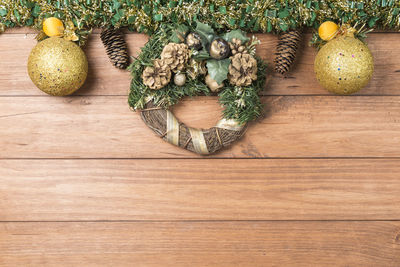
point(344, 65)
point(57, 66)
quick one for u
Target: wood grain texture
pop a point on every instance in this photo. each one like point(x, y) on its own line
point(294, 126)
point(104, 79)
point(221, 244)
point(202, 189)
point(321, 202)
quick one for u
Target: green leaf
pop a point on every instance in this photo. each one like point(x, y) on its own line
point(270, 13)
point(238, 34)
point(131, 19)
point(269, 26)
point(206, 33)
point(17, 15)
point(283, 14)
point(212, 8)
point(158, 17)
point(372, 22)
point(201, 55)
point(172, 4)
point(36, 11)
point(29, 22)
point(284, 27)
point(3, 12)
point(147, 9)
point(178, 34)
point(249, 9)
point(218, 69)
point(116, 5)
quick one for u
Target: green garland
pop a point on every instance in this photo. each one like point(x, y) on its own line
point(248, 15)
point(240, 103)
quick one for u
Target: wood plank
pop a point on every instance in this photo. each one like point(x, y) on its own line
point(294, 126)
point(106, 80)
point(201, 244)
point(202, 189)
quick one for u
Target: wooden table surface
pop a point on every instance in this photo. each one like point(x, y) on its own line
point(83, 182)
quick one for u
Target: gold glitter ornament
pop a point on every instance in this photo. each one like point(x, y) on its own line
point(57, 67)
point(344, 65)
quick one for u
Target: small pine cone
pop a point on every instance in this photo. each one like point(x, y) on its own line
point(286, 51)
point(116, 48)
point(237, 47)
point(242, 70)
point(158, 76)
point(175, 56)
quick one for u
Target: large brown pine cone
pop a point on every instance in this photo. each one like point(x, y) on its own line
point(158, 76)
point(242, 70)
point(116, 47)
point(286, 50)
point(175, 56)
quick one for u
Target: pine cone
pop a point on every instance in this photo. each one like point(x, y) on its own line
point(158, 76)
point(175, 56)
point(242, 70)
point(116, 48)
point(286, 50)
point(237, 47)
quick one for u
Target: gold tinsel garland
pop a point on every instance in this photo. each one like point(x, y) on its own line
point(249, 15)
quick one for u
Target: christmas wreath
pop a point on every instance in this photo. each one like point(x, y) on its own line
point(189, 60)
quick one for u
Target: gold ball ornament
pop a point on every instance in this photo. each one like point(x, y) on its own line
point(180, 79)
point(53, 27)
point(57, 67)
point(328, 30)
point(344, 65)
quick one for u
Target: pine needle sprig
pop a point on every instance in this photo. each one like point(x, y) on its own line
point(243, 103)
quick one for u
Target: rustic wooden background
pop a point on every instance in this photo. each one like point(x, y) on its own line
point(84, 182)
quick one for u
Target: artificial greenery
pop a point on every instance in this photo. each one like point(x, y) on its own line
point(248, 15)
point(240, 103)
point(169, 95)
